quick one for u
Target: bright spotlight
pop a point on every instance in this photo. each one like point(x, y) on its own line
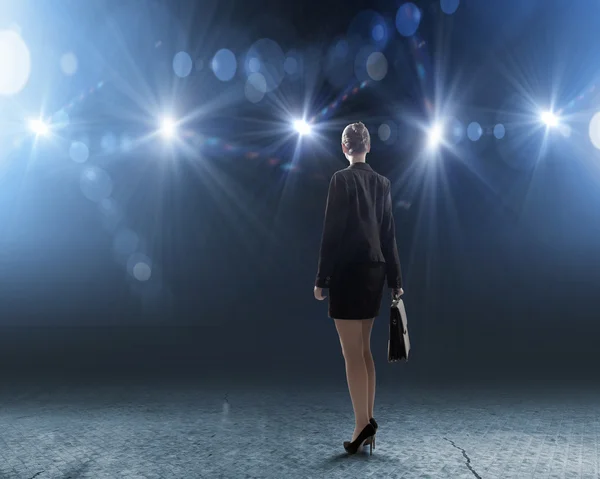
point(549, 118)
point(168, 127)
point(38, 127)
point(302, 127)
point(435, 136)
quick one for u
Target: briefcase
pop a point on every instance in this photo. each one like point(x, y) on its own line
point(399, 342)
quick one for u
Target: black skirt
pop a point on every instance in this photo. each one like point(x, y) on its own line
point(356, 291)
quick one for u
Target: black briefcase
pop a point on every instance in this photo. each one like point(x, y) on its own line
point(399, 342)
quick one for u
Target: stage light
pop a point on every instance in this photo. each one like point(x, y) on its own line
point(302, 127)
point(38, 127)
point(435, 136)
point(168, 127)
point(549, 118)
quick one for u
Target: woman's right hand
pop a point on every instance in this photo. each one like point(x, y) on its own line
point(396, 293)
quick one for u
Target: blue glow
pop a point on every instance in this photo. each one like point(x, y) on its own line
point(449, 6)
point(499, 131)
point(182, 64)
point(254, 65)
point(408, 19)
point(378, 33)
point(79, 152)
point(290, 65)
point(474, 131)
point(224, 64)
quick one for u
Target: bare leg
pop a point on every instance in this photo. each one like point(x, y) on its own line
point(350, 333)
point(367, 327)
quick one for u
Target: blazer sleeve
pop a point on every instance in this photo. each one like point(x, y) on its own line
point(336, 214)
point(389, 247)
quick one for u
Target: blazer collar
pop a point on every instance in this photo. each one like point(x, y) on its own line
point(360, 166)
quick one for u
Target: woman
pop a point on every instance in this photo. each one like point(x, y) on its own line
point(358, 252)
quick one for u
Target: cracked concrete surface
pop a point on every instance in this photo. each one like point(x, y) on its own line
point(466, 457)
point(167, 430)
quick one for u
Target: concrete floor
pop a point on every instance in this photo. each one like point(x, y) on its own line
point(178, 429)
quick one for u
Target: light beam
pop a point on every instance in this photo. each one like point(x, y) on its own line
point(302, 127)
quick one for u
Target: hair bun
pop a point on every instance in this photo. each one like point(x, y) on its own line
point(356, 138)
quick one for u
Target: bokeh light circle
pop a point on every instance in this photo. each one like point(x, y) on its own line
point(182, 64)
point(271, 59)
point(369, 27)
point(377, 66)
point(474, 131)
point(290, 65)
point(378, 33)
point(384, 131)
point(142, 271)
point(256, 87)
point(408, 19)
point(449, 6)
point(362, 68)
point(224, 64)
point(139, 266)
point(69, 64)
point(95, 184)
point(456, 131)
point(79, 152)
point(595, 130)
point(499, 131)
point(254, 65)
point(388, 132)
point(15, 63)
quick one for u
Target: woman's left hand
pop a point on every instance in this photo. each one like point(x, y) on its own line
point(319, 294)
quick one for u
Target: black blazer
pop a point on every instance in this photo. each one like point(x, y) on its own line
point(359, 224)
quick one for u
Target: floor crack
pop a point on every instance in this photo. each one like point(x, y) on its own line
point(466, 457)
point(36, 474)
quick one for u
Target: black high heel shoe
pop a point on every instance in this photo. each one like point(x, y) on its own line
point(367, 433)
point(372, 439)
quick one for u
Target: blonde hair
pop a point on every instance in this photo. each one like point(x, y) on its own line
point(356, 138)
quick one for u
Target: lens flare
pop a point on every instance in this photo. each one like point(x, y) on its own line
point(549, 118)
point(435, 135)
point(302, 127)
point(168, 127)
point(37, 126)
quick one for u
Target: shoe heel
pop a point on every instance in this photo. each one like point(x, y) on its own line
point(373, 442)
point(366, 434)
point(371, 447)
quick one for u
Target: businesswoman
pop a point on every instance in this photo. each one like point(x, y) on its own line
point(358, 252)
